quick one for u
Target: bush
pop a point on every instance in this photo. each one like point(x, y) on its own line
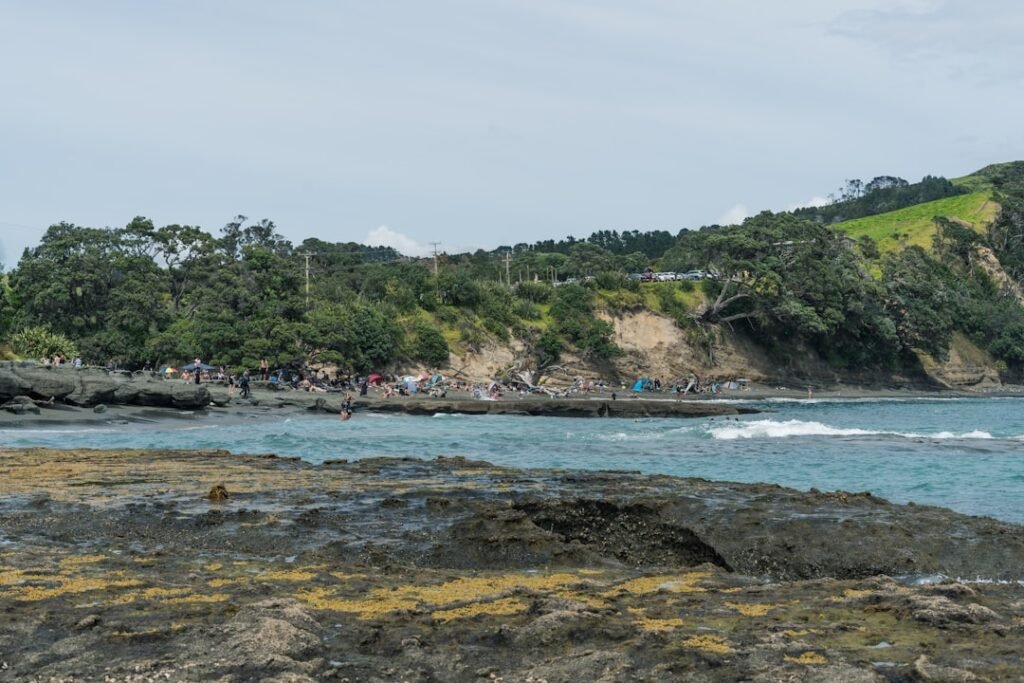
point(610, 279)
point(549, 347)
point(538, 292)
point(39, 342)
point(428, 345)
point(496, 328)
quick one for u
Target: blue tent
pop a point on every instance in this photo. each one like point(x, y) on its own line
point(641, 384)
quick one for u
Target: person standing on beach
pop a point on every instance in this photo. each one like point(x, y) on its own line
point(243, 384)
point(264, 370)
point(198, 365)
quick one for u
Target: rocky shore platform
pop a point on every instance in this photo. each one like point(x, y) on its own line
point(206, 566)
point(59, 395)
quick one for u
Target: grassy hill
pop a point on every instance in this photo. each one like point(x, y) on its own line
point(915, 225)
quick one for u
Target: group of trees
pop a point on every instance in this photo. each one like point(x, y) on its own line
point(857, 199)
point(145, 294)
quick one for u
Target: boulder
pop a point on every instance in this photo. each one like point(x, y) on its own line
point(19, 405)
point(12, 384)
point(93, 387)
point(35, 381)
point(189, 395)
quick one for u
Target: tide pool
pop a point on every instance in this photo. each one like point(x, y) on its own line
point(966, 454)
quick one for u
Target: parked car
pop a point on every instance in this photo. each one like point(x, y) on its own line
point(636, 277)
point(665, 277)
point(693, 275)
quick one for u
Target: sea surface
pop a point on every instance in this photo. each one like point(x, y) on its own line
point(965, 454)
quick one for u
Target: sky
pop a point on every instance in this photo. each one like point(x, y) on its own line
point(487, 122)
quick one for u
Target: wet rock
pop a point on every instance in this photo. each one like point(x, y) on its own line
point(924, 671)
point(951, 590)
point(219, 397)
point(101, 408)
point(556, 628)
point(37, 382)
point(599, 667)
point(940, 611)
point(19, 405)
point(276, 635)
point(88, 622)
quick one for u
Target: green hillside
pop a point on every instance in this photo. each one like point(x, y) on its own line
point(915, 225)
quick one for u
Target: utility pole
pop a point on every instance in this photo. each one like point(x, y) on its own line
point(435, 245)
point(307, 255)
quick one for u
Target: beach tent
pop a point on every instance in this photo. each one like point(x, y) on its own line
point(169, 370)
point(641, 384)
point(374, 379)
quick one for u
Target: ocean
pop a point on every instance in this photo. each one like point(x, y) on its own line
point(963, 453)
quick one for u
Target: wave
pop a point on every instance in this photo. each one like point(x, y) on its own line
point(776, 429)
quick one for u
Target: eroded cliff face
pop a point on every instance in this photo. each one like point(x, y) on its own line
point(653, 346)
point(967, 367)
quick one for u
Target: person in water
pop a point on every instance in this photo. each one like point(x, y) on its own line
point(346, 408)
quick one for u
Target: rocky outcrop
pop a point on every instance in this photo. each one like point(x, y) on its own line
point(90, 387)
point(628, 408)
point(399, 569)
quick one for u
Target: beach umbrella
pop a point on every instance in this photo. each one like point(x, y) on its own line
point(170, 370)
point(191, 367)
point(374, 379)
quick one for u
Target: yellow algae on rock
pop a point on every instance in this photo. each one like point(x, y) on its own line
point(588, 600)
point(71, 585)
point(10, 576)
point(708, 643)
point(800, 633)
point(198, 598)
point(503, 607)
point(287, 575)
point(214, 567)
point(320, 598)
point(652, 624)
point(674, 583)
point(153, 593)
point(751, 610)
point(73, 561)
point(220, 583)
point(481, 587)
point(807, 659)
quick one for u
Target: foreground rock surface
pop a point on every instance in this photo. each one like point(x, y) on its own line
point(120, 566)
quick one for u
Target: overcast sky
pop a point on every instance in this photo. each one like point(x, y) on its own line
point(487, 122)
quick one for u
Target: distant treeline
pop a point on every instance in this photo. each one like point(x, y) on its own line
point(144, 294)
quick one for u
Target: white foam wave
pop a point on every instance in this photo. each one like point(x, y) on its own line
point(779, 429)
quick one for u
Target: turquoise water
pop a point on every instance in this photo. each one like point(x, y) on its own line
point(966, 454)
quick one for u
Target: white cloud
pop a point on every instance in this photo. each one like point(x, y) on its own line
point(813, 201)
point(734, 216)
point(383, 236)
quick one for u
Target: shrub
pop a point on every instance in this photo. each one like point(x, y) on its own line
point(428, 345)
point(39, 342)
